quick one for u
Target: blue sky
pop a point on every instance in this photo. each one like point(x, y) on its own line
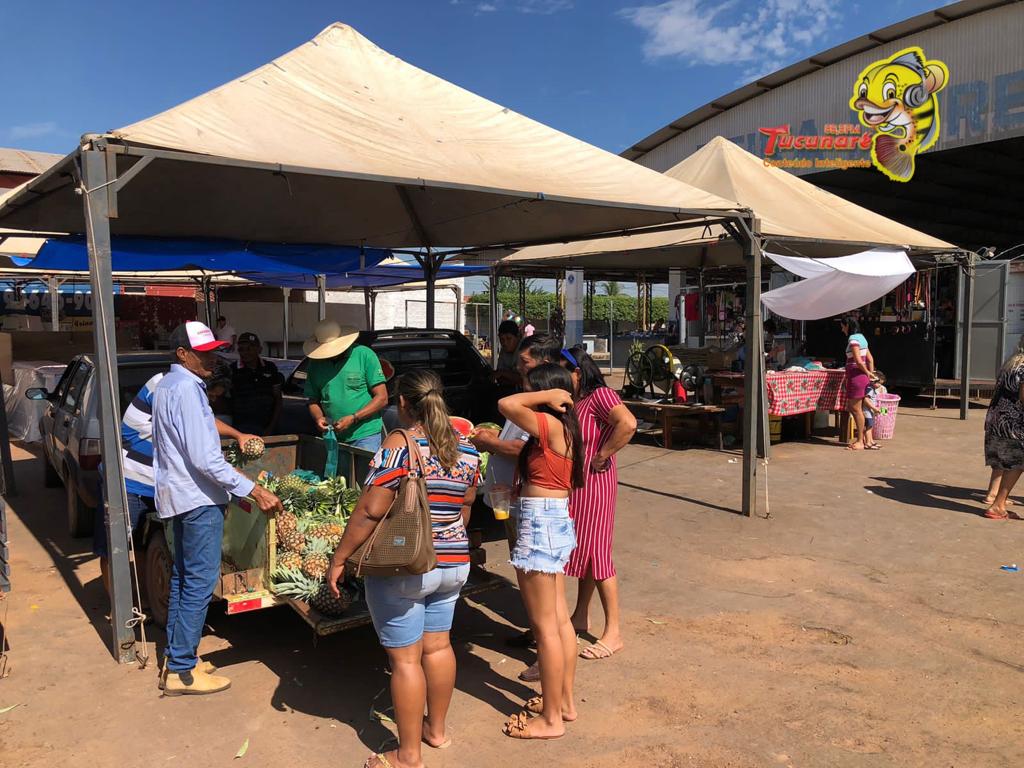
point(607, 71)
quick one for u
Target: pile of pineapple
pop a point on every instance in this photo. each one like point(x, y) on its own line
point(308, 531)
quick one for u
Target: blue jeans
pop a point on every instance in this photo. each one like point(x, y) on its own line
point(371, 443)
point(404, 607)
point(197, 551)
point(545, 536)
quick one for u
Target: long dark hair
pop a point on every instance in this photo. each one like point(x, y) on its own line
point(852, 325)
point(552, 376)
point(424, 397)
point(591, 378)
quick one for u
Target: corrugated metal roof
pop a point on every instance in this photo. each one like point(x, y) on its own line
point(793, 72)
point(25, 161)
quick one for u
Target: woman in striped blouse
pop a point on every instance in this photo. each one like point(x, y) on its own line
point(413, 614)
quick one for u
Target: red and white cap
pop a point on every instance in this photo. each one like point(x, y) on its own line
point(197, 336)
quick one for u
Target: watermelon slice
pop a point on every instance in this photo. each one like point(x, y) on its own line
point(489, 425)
point(463, 426)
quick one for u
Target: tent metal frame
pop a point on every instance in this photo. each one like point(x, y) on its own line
point(92, 168)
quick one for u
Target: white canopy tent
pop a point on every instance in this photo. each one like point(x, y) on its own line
point(336, 142)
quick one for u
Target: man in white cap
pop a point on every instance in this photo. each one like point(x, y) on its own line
point(345, 385)
point(193, 484)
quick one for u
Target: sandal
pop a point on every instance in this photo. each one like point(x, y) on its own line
point(531, 674)
point(994, 514)
point(535, 706)
point(515, 728)
point(874, 447)
point(382, 761)
point(597, 651)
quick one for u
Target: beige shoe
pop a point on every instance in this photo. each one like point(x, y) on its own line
point(202, 666)
point(194, 683)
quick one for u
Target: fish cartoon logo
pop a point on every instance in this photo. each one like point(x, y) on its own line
point(898, 98)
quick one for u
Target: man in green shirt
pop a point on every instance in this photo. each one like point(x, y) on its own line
point(345, 385)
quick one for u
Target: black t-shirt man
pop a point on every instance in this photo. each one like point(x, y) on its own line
point(255, 389)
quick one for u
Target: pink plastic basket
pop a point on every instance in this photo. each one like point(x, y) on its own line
point(885, 422)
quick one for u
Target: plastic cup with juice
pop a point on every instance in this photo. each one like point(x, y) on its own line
point(501, 498)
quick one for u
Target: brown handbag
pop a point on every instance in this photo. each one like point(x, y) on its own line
point(402, 542)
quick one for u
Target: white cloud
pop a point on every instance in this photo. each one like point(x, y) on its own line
point(761, 38)
point(543, 7)
point(32, 130)
point(536, 7)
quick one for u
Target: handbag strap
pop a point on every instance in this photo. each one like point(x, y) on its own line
point(421, 470)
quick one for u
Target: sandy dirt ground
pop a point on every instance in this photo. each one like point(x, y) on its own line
point(865, 622)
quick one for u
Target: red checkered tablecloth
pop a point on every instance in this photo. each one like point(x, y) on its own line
point(791, 392)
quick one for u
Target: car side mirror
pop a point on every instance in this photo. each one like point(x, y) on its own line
point(38, 393)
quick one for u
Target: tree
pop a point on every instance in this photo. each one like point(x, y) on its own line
point(611, 288)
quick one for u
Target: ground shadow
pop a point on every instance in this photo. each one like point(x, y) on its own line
point(680, 497)
point(917, 493)
point(42, 511)
point(344, 677)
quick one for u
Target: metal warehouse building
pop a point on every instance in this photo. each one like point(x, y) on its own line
point(966, 188)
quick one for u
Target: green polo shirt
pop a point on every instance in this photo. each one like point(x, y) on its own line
point(342, 386)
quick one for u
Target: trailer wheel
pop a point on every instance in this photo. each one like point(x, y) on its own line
point(157, 576)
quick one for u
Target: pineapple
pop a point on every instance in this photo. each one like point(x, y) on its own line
point(294, 539)
point(330, 530)
point(293, 583)
point(285, 521)
point(288, 560)
point(316, 559)
point(329, 605)
point(253, 448)
point(293, 492)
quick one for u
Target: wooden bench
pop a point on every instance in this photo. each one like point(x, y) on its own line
point(667, 414)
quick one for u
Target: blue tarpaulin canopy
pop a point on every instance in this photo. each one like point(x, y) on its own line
point(285, 266)
point(131, 254)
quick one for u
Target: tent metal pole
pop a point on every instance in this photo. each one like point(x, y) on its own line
point(285, 293)
point(492, 332)
point(752, 369)
point(701, 308)
point(210, 319)
point(97, 222)
point(965, 341)
point(368, 308)
point(53, 286)
point(321, 297)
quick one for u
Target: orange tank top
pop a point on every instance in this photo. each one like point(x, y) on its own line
point(545, 468)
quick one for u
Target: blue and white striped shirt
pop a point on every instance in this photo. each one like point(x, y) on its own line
point(137, 441)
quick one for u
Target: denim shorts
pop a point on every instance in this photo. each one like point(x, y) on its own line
point(404, 607)
point(545, 537)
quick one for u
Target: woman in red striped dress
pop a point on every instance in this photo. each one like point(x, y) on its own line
point(606, 426)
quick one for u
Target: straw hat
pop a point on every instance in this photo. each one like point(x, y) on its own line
point(329, 339)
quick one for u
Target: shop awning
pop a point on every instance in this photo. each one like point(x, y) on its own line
point(833, 286)
point(340, 142)
point(797, 218)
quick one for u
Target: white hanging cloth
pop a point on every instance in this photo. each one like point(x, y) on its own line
point(834, 286)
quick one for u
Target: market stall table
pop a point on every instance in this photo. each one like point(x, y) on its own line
point(791, 393)
point(669, 413)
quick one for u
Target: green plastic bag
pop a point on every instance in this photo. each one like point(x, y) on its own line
point(331, 444)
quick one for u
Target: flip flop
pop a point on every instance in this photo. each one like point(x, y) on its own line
point(382, 761)
point(874, 447)
point(992, 514)
point(443, 745)
point(515, 728)
point(535, 706)
point(597, 651)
